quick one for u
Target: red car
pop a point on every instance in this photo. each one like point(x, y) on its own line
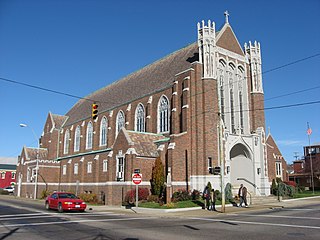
point(63, 201)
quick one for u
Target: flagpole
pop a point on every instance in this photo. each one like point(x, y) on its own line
point(309, 131)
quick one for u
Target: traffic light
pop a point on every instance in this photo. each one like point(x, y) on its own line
point(217, 170)
point(94, 114)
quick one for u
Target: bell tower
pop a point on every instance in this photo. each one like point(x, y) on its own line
point(253, 54)
point(207, 48)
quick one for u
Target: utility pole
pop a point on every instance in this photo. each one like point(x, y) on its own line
point(309, 131)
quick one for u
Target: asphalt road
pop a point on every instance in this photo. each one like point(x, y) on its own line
point(29, 220)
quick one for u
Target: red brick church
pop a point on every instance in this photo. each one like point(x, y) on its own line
point(198, 108)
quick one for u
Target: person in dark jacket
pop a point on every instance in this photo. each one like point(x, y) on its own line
point(212, 200)
point(243, 195)
point(206, 197)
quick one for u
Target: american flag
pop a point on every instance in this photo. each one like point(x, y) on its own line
point(309, 130)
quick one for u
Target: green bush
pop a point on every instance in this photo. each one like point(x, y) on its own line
point(89, 197)
point(153, 198)
point(45, 193)
point(195, 195)
point(181, 195)
point(4, 192)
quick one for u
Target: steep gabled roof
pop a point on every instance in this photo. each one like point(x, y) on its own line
point(150, 79)
point(272, 143)
point(58, 120)
point(31, 153)
point(228, 40)
point(143, 143)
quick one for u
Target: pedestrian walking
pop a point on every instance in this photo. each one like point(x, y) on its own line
point(243, 195)
point(212, 200)
point(206, 197)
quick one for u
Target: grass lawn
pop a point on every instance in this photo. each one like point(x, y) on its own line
point(182, 204)
point(306, 194)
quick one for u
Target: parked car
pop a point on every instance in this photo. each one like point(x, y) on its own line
point(64, 201)
point(9, 189)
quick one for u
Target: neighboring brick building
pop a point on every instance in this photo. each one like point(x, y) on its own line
point(277, 166)
point(7, 175)
point(173, 108)
point(302, 168)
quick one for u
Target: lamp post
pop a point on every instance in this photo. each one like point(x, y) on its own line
point(37, 160)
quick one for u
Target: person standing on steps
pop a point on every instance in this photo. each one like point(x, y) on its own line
point(243, 195)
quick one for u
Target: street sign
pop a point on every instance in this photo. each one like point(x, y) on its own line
point(136, 170)
point(137, 178)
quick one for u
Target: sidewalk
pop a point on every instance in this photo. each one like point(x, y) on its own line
point(198, 211)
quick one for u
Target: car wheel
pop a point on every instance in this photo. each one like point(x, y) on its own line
point(60, 209)
point(47, 206)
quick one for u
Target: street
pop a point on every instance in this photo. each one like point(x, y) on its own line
point(29, 220)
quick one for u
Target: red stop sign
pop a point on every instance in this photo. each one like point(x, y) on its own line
point(136, 178)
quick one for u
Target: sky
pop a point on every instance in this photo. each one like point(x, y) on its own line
point(79, 46)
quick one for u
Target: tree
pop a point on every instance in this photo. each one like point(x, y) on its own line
point(157, 180)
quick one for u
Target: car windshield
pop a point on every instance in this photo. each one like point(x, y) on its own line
point(67, 195)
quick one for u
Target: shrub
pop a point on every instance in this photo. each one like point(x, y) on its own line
point(4, 192)
point(195, 195)
point(89, 197)
point(45, 193)
point(181, 195)
point(143, 194)
point(291, 183)
point(157, 178)
point(153, 198)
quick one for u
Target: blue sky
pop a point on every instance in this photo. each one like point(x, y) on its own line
point(77, 47)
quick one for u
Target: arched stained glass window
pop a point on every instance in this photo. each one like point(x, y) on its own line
point(66, 142)
point(103, 131)
point(120, 121)
point(163, 115)
point(77, 139)
point(89, 136)
point(140, 119)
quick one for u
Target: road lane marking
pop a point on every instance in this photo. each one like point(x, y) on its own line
point(274, 216)
point(54, 216)
point(74, 221)
point(255, 223)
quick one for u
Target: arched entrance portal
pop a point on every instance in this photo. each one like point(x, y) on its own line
point(241, 166)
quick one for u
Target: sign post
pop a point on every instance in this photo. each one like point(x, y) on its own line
point(137, 179)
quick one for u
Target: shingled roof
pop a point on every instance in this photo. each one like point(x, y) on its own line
point(31, 153)
point(150, 79)
point(58, 120)
point(144, 144)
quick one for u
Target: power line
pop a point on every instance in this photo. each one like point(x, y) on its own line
point(92, 100)
point(45, 89)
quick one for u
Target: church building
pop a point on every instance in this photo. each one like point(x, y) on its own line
point(200, 109)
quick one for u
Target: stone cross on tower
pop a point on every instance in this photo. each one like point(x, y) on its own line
point(226, 14)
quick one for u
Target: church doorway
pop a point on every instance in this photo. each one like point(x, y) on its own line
point(241, 166)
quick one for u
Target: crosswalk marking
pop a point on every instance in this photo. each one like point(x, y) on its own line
point(255, 223)
point(74, 221)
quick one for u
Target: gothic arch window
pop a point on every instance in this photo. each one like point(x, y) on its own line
point(221, 69)
point(140, 119)
point(103, 131)
point(89, 136)
point(66, 142)
point(120, 121)
point(233, 129)
point(77, 139)
point(241, 112)
point(163, 115)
